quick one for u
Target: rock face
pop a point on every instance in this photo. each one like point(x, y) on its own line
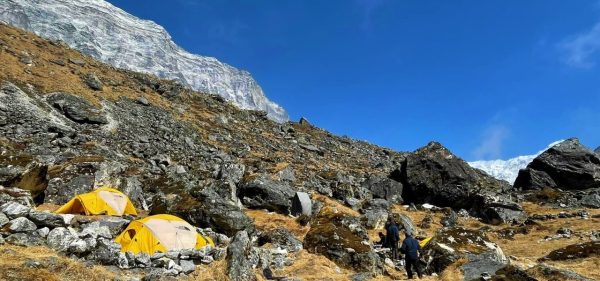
point(111, 35)
point(343, 239)
point(568, 165)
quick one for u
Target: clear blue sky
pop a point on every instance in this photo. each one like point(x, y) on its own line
point(488, 79)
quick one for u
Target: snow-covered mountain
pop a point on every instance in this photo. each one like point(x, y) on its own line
point(507, 170)
point(111, 35)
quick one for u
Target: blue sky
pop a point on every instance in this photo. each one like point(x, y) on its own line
point(488, 79)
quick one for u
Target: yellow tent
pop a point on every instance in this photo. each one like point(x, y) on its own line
point(160, 233)
point(102, 201)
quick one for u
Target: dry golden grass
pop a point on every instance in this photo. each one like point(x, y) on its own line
point(266, 221)
point(311, 267)
point(12, 268)
point(50, 77)
point(216, 271)
point(589, 267)
point(334, 206)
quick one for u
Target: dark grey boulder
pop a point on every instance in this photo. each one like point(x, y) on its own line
point(239, 268)
point(24, 239)
point(267, 194)
point(21, 224)
point(61, 238)
point(375, 213)
point(76, 108)
point(483, 264)
point(404, 222)
point(46, 219)
point(64, 187)
point(3, 219)
point(434, 175)
point(553, 273)
point(187, 266)
point(93, 82)
point(107, 252)
point(14, 210)
point(568, 165)
point(450, 218)
point(385, 188)
point(591, 200)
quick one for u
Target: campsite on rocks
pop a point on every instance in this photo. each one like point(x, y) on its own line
point(109, 172)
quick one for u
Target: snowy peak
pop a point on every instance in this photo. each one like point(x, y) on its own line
point(107, 33)
point(508, 170)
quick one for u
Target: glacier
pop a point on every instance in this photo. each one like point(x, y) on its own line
point(111, 35)
point(508, 170)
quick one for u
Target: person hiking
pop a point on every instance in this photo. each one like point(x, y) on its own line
point(411, 250)
point(392, 237)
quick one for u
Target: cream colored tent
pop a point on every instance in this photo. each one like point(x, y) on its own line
point(102, 201)
point(161, 233)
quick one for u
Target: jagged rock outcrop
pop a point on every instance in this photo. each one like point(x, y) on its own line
point(568, 165)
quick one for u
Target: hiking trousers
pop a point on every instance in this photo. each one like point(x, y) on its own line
point(394, 248)
point(410, 264)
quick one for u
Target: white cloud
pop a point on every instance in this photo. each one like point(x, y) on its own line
point(583, 49)
point(491, 144)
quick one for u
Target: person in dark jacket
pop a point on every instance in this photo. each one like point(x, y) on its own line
point(411, 250)
point(392, 237)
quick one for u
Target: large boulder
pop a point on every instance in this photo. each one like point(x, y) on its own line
point(434, 175)
point(568, 165)
point(61, 238)
point(14, 210)
point(21, 224)
point(385, 188)
point(264, 193)
point(76, 108)
point(47, 219)
point(452, 244)
point(239, 267)
point(342, 238)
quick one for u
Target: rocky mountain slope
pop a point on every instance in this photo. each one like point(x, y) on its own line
point(69, 123)
point(109, 34)
point(507, 169)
